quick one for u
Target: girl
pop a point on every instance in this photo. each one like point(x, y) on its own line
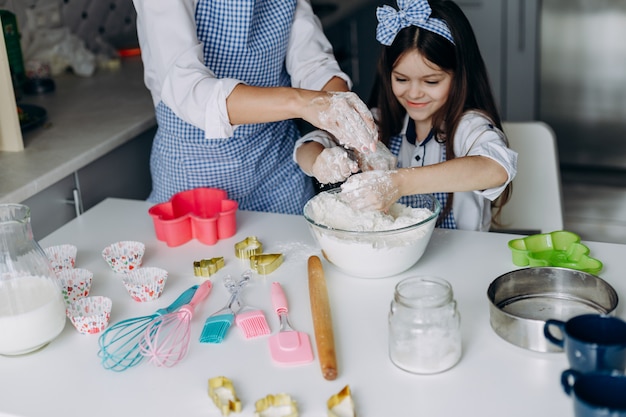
point(437, 114)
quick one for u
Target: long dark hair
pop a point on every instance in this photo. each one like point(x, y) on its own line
point(470, 88)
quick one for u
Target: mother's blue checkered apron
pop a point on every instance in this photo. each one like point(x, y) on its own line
point(448, 222)
point(245, 40)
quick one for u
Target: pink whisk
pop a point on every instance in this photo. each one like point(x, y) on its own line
point(166, 340)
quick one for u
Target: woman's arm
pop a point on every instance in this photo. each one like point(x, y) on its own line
point(343, 115)
point(175, 73)
point(174, 69)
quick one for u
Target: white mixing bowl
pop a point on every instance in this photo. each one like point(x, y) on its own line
point(369, 253)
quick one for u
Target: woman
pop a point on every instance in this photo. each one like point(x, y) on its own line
point(226, 78)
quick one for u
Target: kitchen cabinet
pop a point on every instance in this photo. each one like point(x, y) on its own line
point(522, 59)
point(507, 34)
point(52, 207)
point(353, 37)
point(486, 19)
point(122, 173)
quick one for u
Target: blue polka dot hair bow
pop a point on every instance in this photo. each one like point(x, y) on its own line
point(410, 13)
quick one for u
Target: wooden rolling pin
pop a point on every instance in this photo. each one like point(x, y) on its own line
point(322, 320)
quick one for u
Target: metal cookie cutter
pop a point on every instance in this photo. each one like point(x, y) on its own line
point(266, 263)
point(248, 247)
point(223, 394)
point(341, 404)
point(276, 405)
point(207, 267)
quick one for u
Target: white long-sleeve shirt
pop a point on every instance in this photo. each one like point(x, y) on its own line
point(175, 73)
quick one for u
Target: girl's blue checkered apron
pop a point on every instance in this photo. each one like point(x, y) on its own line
point(245, 40)
point(448, 222)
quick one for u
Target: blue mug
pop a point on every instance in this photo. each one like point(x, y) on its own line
point(592, 342)
point(596, 394)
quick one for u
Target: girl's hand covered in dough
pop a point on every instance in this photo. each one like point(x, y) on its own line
point(333, 165)
point(371, 190)
point(349, 120)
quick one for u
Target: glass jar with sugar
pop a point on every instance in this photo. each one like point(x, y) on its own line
point(424, 326)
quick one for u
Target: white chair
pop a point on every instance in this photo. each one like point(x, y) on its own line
point(536, 202)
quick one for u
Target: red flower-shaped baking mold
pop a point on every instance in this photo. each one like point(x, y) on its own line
point(205, 214)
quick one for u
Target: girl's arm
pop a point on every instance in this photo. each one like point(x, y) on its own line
point(378, 190)
point(484, 164)
point(467, 173)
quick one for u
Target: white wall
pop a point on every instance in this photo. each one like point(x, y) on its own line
point(113, 20)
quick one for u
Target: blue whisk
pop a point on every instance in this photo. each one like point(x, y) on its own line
point(119, 343)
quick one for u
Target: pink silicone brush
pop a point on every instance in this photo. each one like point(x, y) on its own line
point(251, 320)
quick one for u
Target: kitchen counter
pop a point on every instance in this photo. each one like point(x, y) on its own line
point(87, 118)
point(493, 378)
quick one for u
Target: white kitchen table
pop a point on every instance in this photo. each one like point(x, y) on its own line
point(493, 378)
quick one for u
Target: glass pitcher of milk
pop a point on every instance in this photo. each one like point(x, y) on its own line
point(32, 310)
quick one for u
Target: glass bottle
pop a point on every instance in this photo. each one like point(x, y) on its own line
point(14, 51)
point(424, 326)
point(32, 310)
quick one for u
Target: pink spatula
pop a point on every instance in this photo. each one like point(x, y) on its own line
point(288, 346)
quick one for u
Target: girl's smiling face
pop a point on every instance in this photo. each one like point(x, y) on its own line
point(420, 86)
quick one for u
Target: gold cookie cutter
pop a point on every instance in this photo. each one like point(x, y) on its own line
point(262, 263)
point(207, 267)
point(222, 392)
point(248, 247)
point(270, 404)
point(266, 263)
point(334, 404)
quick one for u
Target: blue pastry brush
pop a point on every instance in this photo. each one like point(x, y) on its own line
point(217, 324)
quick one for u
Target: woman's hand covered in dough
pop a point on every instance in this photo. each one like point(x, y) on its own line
point(333, 165)
point(371, 190)
point(381, 159)
point(349, 120)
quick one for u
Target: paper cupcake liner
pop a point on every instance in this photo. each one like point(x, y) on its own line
point(145, 284)
point(90, 315)
point(75, 283)
point(124, 256)
point(61, 256)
